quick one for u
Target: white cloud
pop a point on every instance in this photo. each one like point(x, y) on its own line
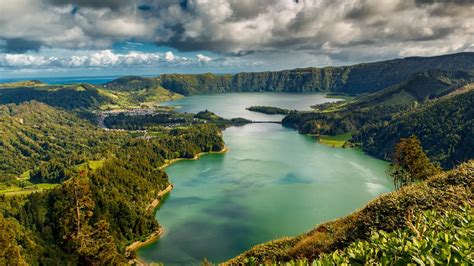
point(98, 59)
point(202, 58)
point(266, 31)
point(169, 56)
point(22, 60)
point(77, 61)
point(103, 58)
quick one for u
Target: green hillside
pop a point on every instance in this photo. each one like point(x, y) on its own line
point(105, 181)
point(35, 134)
point(419, 88)
point(445, 128)
point(187, 84)
point(81, 96)
point(354, 79)
point(417, 106)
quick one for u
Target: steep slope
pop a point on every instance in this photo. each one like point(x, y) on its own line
point(131, 83)
point(133, 91)
point(34, 133)
point(194, 84)
point(94, 212)
point(418, 88)
point(417, 106)
point(353, 79)
point(445, 128)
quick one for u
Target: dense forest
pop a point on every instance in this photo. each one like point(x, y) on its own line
point(414, 107)
point(142, 122)
point(35, 134)
point(162, 120)
point(69, 97)
point(99, 208)
point(269, 110)
point(445, 128)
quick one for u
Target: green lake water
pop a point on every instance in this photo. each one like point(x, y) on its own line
point(273, 182)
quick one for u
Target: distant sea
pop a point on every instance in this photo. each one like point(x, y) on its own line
point(69, 80)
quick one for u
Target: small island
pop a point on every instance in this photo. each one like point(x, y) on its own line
point(269, 110)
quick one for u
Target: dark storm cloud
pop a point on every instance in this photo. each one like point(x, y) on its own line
point(19, 45)
point(455, 2)
point(112, 4)
point(246, 28)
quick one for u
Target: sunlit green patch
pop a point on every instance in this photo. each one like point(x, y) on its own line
point(337, 141)
point(15, 191)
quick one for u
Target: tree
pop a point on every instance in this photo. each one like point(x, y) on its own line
point(410, 163)
point(93, 243)
point(10, 251)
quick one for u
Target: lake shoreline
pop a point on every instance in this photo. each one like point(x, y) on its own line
point(158, 232)
point(196, 157)
point(153, 206)
point(270, 151)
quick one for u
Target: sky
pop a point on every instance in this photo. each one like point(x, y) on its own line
point(47, 38)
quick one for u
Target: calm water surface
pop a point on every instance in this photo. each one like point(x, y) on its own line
point(231, 105)
point(272, 182)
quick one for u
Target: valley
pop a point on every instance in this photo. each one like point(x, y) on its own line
point(113, 148)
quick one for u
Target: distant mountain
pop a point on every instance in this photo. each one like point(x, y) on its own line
point(81, 96)
point(419, 88)
point(131, 83)
point(352, 115)
point(125, 92)
point(187, 84)
point(435, 106)
point(355, 79)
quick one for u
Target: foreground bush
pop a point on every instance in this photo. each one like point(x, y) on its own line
point(433, 238)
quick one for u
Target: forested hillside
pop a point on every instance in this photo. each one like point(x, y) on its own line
point(108, 181)
point(417, 106)
point(125, 92)
point(35, 134)
point(188, 84)
point(82, 96)
point(355, 79)
point(445, 128)
point(131, 83)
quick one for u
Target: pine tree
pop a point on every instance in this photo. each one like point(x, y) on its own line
point(410, 163)
point(93, 243)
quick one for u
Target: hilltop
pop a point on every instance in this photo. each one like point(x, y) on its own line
point(354, 79)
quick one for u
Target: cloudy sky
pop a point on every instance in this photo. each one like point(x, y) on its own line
point(117, 37)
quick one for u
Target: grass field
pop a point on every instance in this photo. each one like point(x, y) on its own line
point(15, 191)
point(92, 165)
point(30, 188)
point(337, 141)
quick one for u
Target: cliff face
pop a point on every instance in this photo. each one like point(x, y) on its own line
point(353, 79)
